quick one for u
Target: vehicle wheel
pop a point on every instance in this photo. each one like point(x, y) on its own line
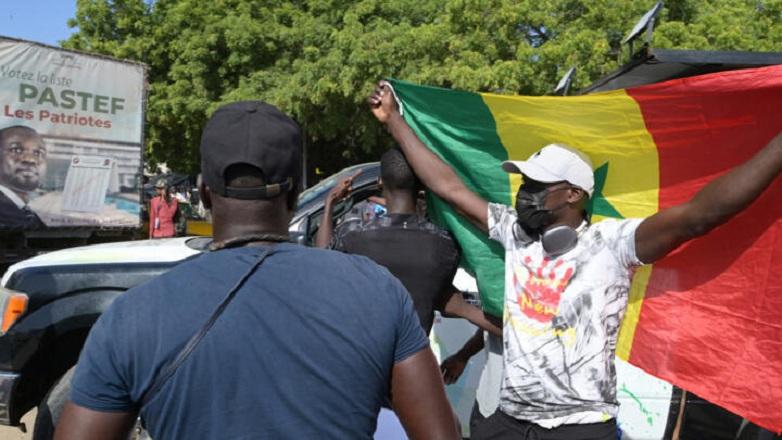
point(51, 407)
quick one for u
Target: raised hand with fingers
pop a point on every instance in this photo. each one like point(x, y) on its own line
point(343, 188)
point(435, 174)
point(382, 102)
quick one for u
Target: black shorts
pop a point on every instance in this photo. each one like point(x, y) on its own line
point(500, 426)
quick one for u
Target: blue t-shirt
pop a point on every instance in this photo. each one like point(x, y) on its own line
point(304, 350)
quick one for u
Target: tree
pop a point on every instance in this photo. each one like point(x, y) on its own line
point(318, 59)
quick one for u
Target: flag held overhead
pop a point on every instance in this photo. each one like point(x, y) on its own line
point(706, 317)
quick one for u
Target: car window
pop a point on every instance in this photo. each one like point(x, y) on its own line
point(319, 191)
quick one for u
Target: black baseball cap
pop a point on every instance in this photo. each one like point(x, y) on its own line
point(253, 133)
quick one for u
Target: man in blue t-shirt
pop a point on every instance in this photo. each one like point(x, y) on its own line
point(258, 338)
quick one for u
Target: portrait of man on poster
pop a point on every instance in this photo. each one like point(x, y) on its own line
point(22, 168)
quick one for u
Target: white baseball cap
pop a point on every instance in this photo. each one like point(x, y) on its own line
point(556, 163)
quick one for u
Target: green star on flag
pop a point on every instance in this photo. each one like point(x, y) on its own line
point(598, 204)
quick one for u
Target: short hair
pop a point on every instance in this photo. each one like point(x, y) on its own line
point(396, 172)
point(18, 127)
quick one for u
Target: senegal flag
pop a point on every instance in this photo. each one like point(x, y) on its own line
point(708, 317)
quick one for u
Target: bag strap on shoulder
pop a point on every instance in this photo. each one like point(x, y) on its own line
point(169, 368)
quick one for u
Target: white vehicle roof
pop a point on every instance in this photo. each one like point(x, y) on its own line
point(141, 251)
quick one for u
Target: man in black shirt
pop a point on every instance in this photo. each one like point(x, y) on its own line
point(421, 255)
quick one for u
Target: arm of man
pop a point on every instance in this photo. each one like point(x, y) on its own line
point(433, 172)
point(418, 398)
point(99, 403)
point(417, 390)
point(457, 306)
point(453, 367)
point(377, 199)
point(326, 229)
point(712, 206)
point(79, 423)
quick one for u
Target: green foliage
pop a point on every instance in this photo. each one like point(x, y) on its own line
point(318, 59)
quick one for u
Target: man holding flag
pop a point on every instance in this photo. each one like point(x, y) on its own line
point(566, 280)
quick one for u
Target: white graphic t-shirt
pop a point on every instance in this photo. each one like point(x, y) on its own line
point(561, 320)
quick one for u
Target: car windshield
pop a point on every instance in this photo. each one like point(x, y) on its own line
point(319, 191)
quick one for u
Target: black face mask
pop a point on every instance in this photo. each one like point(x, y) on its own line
point(533, 219)
point(530, 202)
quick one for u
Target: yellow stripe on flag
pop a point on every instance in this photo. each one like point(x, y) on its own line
point(610, 129)
point(633, 312)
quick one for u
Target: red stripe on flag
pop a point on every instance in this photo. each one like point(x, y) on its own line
point(711, 320)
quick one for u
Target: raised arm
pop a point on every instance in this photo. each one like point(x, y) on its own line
point(712, 206)
point(433, 172)
point(418, 399)
point(326, 229)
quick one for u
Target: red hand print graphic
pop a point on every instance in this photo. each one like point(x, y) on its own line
point(539, 296)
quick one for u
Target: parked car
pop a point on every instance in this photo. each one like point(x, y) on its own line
point(51, 301)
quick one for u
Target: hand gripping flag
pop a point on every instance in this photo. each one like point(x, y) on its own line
point(707, 318)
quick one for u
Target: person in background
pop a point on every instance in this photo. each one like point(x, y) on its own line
point(416, 251)
point(163, 211)
point(421, 255)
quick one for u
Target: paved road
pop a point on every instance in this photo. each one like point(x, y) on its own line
point(7, 433)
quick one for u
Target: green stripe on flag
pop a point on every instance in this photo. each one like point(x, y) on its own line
point(470, 145)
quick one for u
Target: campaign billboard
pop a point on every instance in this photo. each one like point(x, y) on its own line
point(71, 133)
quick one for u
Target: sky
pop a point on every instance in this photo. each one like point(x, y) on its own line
point(44, 21)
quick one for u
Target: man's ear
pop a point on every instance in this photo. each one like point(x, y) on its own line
point(576, 195)
point(206, 196)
